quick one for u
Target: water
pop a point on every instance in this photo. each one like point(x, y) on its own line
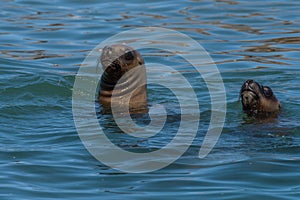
point(44, 43)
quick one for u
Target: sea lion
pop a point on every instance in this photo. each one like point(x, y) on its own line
point(258, 99)
point(123, 82)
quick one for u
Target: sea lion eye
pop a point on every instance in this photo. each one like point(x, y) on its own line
point(129, 55)
point(268, 91)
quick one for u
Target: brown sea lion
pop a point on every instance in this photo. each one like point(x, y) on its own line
point(258, 99)
point(123, 82)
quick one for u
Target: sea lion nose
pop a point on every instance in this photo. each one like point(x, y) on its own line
point(249, 81)
point(107, 50)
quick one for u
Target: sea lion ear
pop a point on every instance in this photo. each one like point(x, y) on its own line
point(268, 91)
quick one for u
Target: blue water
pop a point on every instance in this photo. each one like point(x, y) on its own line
point(42, 46)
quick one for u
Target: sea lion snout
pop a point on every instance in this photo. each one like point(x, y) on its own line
point(249, 95)
point(121, 53)
point(257, 98)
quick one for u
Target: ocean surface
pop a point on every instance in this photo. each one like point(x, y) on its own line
point(42, 47)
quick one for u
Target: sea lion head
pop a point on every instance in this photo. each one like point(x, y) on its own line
point(123, 81)
point(257, 98)
point(118, 59)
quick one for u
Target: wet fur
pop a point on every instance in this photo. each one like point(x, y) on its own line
point(118, 77)
point(258, 100)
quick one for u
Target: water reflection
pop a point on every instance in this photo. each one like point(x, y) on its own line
point(31, 54)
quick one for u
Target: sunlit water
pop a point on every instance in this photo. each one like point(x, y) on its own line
point(42, 45)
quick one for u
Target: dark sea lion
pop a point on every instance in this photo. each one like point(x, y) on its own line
point(258, 99)
point(123, 82)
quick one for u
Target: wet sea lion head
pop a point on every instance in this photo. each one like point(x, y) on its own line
point(123, 81)
point(118, 59)
point(257, 98)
